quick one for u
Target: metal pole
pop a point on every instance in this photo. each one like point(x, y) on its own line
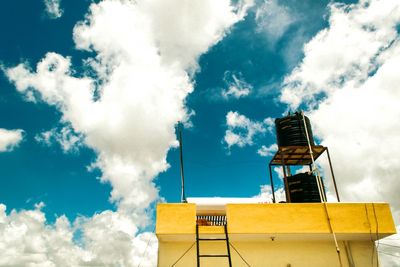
point(183, 197)
point(285, 178)
point(272, 184)
point(333, 176)
point(288, 171)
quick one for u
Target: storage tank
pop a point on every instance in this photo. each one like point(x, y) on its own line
point(303, 188)
point(290, 130)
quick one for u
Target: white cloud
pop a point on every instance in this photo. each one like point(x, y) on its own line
point(241, 130)
point(9, 139)
point(68, 140)
point(142, 98)
point(358, 117)
point(354, 63)
point(266, 194)
point(46, 137)
point(343, 53)
point(270, 124)
point(146, 53)
point(128, 245)
point(237, 86)
point(53, 8)
point(279, 172)
point(267, 151)
point(26, 239)
point(273, 19)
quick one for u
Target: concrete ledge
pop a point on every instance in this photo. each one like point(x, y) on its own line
point(285, 221)
point(176, 219)
point(302, 218)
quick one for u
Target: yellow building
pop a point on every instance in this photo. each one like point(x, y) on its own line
point(278, 234)
point(305, 231)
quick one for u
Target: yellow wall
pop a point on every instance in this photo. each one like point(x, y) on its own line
point(271, 254)
point(176, 218)
point(310, 218)
point(276, 234)
point(286, 219)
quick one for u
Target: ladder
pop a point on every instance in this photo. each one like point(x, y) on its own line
point(226, 239)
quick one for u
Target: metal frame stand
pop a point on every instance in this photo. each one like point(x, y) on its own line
point(297, 156)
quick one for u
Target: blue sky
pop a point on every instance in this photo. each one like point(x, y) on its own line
point(62, 181)
point(90, 133)
point(58, 179)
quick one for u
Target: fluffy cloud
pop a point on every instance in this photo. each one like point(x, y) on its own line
point(145, 82)
point(237, 86)
point(65, 137)
point(241, 130)
point(273, 19)
point(146, 52)
point(25, 239)
point(9, 139)
point(266, 194)
point(270, 124)
point(354, 65)
point(357, 118)
point(28, 240)
point(53, 8)
point(267, 151)
point(344, 53)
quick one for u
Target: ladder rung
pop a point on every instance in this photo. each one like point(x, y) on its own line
point(213, 255)
point(212, 239)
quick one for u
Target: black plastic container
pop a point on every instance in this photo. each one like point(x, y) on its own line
point(303, 188)
point(290, 130)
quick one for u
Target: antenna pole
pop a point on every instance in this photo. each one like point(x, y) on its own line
point(183, 197)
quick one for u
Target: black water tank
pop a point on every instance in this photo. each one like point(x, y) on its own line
point(290, 130)
point(303, 188)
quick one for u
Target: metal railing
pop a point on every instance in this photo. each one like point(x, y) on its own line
point(211, 220)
